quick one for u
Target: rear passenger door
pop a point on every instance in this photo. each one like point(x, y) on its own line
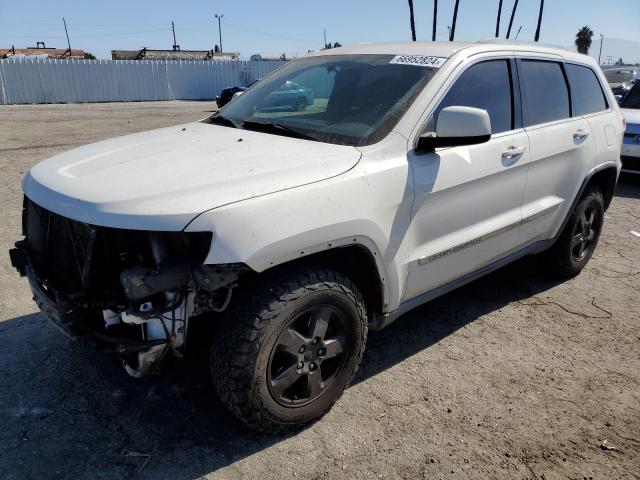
point(561, 147)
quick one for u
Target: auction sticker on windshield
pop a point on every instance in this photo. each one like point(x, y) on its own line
point(419, 60)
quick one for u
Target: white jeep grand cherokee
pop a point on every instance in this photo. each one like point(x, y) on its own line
point(417, 167)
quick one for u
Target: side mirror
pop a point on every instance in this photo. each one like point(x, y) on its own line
point(457, 126)
point(619, 98)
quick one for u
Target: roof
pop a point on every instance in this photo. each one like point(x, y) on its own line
point(41, 52)
point(448, 49)
point(157, 54)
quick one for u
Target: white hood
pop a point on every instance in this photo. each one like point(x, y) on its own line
point(162, 179)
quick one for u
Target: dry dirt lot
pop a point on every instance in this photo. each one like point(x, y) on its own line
point(515, 376)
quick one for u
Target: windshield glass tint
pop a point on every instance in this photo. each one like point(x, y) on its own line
point(343, 99)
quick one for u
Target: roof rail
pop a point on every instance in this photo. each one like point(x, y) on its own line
point(503, 41)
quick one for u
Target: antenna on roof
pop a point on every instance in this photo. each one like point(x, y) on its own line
point(498, 19)
point(176, 47)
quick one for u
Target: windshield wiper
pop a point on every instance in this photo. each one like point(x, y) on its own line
point(222, 120)
point(278, 129)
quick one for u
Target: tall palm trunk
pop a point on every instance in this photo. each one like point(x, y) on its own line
point(539, 21)
point(498, 19)
point(435, 19)
point(413, 22)
point(513, 14)
point(452, 35)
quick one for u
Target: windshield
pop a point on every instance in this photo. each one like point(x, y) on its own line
point(342, 99)
point(632, 98)
point(619, 75)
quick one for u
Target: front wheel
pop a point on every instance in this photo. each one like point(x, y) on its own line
point(288, 350)
point(578, 240)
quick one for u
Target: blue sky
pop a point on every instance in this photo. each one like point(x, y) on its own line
point(275, 26)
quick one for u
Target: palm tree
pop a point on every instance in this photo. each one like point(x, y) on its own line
point(452, 32)
point(537, 37)
point(513, 14)
point(435, 19)
point(413, 22)
point(583, 39)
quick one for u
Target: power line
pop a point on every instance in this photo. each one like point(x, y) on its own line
point(267, 34)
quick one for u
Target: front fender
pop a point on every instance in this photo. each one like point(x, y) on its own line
point(369, 206)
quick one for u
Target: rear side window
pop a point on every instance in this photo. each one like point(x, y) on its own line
point(586, 93)
point(485, 85)
point(545, 96)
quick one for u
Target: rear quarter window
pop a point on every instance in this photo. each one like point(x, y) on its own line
point(586, 92)
point(545, 96)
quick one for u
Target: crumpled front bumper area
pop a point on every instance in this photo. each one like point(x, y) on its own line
point(126, 291)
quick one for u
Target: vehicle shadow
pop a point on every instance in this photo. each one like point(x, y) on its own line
point(71, 412)
point(628, 186)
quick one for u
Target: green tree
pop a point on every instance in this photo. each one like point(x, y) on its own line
point(583, 39)
point(89, 56)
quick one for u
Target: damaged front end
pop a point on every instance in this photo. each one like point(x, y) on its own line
point(128, 291)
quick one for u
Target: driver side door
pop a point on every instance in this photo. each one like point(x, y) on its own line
point(466, 212)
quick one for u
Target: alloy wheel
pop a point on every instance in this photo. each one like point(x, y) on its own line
point(308, 356)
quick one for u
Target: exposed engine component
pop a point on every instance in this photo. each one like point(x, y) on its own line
point(132, 292)
point(170, 327)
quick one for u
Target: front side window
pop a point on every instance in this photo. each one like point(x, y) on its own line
point(545, 97)
point(586, 93)
point(342, 99)
point(485, 85)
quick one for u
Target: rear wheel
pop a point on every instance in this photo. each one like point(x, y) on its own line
point(287, 352)
point(579, 238)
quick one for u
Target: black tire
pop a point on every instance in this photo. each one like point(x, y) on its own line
point(254, 349)
point(578, 240)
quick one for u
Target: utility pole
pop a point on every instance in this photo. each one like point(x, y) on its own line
point(452, 34)
point(498, 19)
point(537, 37)
point(219, 17)
point(513, 14)
point(324, 30)
point(435, 19)
point(600, 53)
point(175, 44)
point(67, 34)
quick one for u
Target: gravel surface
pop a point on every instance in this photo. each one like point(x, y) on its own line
point(515, 376)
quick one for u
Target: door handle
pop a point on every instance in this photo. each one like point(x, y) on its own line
point(580, 134)
point(513, 152)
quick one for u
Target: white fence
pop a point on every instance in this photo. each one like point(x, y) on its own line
point(24, 80)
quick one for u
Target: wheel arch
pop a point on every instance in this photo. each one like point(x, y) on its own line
point(605, 178)
point(352, 257)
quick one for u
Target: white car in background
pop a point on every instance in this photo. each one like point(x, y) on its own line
point(421, 167)
point(630, 106)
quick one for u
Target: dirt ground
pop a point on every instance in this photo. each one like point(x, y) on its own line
point(514, 376)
